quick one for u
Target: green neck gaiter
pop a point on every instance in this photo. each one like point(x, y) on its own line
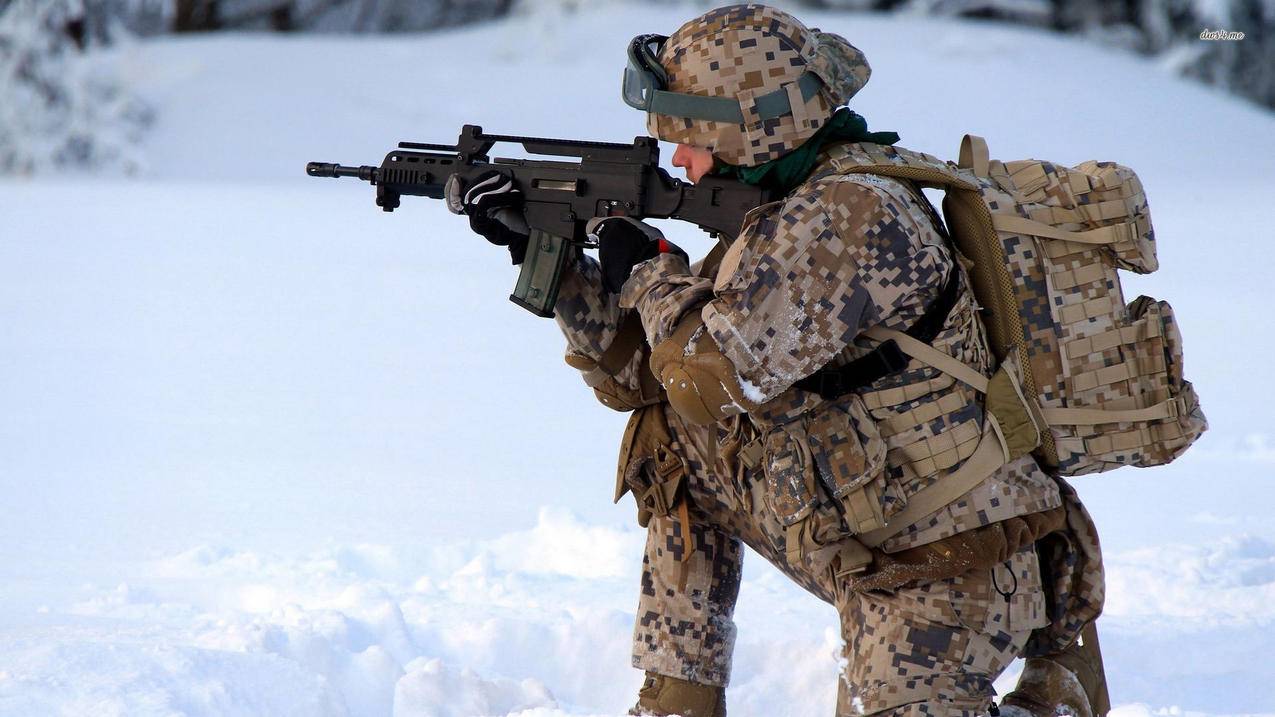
point(790, 170)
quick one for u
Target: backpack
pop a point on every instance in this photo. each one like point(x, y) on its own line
point(1042, 244)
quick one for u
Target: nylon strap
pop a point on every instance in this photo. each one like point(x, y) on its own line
point(775, 103)
point(1110, 234)
point(974, 154)
point(1092, 416)
point(986, 460)
point(931, 356)
point(884, 359)
point(863, 506)
point(751, 454)
point(627, 339)
point(688, 541)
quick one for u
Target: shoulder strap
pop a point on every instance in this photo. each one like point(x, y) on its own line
point(886, 358)
point(986, 460)
point(974, 231)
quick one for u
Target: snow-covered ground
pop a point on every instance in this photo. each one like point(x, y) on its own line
point(266, 450)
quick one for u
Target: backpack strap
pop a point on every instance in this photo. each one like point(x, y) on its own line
point(925, 353)
point(1110, 234)
point(986, 460)
point(974, 155)
point(973, 229)
point(886, 358)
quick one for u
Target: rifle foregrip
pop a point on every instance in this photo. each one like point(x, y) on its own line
point(541, 274)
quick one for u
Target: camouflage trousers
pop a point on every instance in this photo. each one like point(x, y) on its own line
point(934, 649)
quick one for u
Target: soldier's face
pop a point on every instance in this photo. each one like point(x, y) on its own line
point(697, 161)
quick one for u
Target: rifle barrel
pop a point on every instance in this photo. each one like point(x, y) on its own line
point(326, 169)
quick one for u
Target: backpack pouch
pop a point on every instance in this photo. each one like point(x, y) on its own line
point(1134, 368)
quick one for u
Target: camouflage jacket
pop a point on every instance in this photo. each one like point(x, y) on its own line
point(806, 276)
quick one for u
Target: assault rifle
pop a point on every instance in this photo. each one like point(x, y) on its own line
point(610, 179)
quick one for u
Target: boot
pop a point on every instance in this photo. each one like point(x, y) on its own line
point(662, 695)
point(1070, 682)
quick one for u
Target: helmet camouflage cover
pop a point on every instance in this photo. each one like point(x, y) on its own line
point(745, 52)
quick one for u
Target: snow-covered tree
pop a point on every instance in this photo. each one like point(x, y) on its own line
point(1166, 28)
point(331, 15)
point(63, 106)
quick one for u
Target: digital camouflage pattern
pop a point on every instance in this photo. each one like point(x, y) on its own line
point(1085, 347)
point(746, 51)
point(947, 639)
point(804, 278)
point(590, 319)
point(840, 254)
point(1089, 347)
point(935, 649)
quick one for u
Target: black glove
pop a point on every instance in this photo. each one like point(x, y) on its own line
point(623, 243)
point(494, 207)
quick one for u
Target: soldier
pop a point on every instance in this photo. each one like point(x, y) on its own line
point(770, 413)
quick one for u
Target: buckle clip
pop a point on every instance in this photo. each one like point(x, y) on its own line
point(892, 358)
point(831, 385)
point(667, 463)
point(884, 360)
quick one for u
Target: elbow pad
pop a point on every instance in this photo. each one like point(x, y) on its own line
point(702, 385)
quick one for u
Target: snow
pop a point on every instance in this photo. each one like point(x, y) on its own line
point(268, 450)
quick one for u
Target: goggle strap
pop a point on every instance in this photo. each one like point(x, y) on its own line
point(677, 104)
point(776, 104)
point(722, 109)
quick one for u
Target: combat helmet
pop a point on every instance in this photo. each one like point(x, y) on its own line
point(748, 82)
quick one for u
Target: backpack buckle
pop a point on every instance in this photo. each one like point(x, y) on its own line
point(833, 383)
point(892, 358)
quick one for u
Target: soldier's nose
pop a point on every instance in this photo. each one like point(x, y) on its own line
point(680, 156)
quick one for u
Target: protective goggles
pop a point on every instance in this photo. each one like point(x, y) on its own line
point(645, 81)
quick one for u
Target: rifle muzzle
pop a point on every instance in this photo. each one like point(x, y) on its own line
point(326, 169)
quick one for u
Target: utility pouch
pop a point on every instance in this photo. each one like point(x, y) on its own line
point(1072, 572)
point(789, 474)
point(850, 456)
point(791, 492)
point(822, 480)
point(1148, 413)
point(1016, 418)
point(738, 455)
point(650, 465)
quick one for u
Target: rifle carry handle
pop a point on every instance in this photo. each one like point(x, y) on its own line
point(541, 275)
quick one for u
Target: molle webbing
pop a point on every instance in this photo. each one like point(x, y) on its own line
point(986, 460)
point(1042, 244)
point(1011, 430)
point(971, 227)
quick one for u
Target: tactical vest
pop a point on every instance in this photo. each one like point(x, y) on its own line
point(894, 451)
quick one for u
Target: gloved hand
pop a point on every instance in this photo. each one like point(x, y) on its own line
point(494, 207)
point(623, 243)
